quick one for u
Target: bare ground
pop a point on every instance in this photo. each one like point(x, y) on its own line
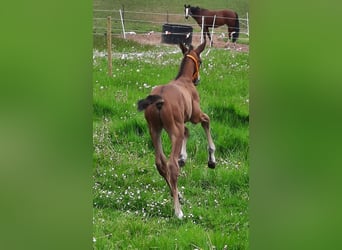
point(155, 38)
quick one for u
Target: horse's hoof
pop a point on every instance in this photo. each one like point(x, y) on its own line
point(181, 162)
point(179, 214)
point(211, 164)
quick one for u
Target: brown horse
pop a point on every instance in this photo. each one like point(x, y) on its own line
point(223, 17)
point(169, 107)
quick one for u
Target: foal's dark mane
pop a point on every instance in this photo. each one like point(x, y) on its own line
point(181, 68)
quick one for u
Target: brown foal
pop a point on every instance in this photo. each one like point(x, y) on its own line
point(169, 107)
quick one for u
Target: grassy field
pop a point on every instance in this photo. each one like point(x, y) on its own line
point(132, 205)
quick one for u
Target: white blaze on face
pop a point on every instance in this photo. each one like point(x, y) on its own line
point(186, 12)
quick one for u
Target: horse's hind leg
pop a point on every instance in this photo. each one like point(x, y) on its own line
point(230, 37)
point(183, 155)
point(169, 171)
point(210, 39)
point(177, 198)
point(205, 122)
point(176, 136)
point(160, 159)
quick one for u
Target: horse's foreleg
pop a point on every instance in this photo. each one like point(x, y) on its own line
point(206, 32)
point(205, 122)
point(183, 155)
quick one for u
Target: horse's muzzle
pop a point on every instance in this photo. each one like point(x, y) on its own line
point(197, 80)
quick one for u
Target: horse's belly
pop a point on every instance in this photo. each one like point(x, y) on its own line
point(187, 107)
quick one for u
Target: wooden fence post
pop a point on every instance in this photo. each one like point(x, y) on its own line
point(109, 44)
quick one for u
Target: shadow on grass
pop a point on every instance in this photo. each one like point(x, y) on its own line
point(229, 115)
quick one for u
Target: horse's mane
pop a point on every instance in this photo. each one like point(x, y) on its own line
point(196, 9)
point(181, 68)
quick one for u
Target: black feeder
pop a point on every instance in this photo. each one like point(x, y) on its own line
point(176, 33)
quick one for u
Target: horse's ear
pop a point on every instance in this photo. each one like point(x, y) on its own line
point(183, 48)
point(201, 47)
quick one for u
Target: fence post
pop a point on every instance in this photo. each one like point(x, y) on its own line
point(123, 26)
point(247, 25)
point(109, 44)
point(202, 29)
point(123, 13)
point(212, 32)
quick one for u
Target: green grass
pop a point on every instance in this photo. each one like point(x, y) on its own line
point(131, 205)
point(172, 6)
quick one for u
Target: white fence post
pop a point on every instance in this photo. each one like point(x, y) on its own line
point(202, 29)
point(109, 44)
point(212, 31)
point(247, 24)
point(123, 26)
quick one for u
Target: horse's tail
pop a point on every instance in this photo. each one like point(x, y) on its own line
point(144, 103)
point(236, 28)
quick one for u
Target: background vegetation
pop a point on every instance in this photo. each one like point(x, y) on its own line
point(142, 18)
point(173, 6)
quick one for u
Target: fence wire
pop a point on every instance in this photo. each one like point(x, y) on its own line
point(148, 23)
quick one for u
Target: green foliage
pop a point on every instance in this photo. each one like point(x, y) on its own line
point(132, 204)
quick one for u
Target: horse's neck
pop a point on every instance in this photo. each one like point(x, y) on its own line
point(186, 72)
point(197, 11)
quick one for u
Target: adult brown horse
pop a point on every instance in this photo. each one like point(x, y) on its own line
point(223, 17)
point(169, 107)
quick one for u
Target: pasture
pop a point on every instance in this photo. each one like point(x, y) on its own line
point(132, 206)
point(173, 6)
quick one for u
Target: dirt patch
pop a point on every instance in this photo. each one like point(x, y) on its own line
point(155, 39)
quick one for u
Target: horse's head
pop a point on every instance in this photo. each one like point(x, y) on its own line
point(187, 11)
point(195, 56)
